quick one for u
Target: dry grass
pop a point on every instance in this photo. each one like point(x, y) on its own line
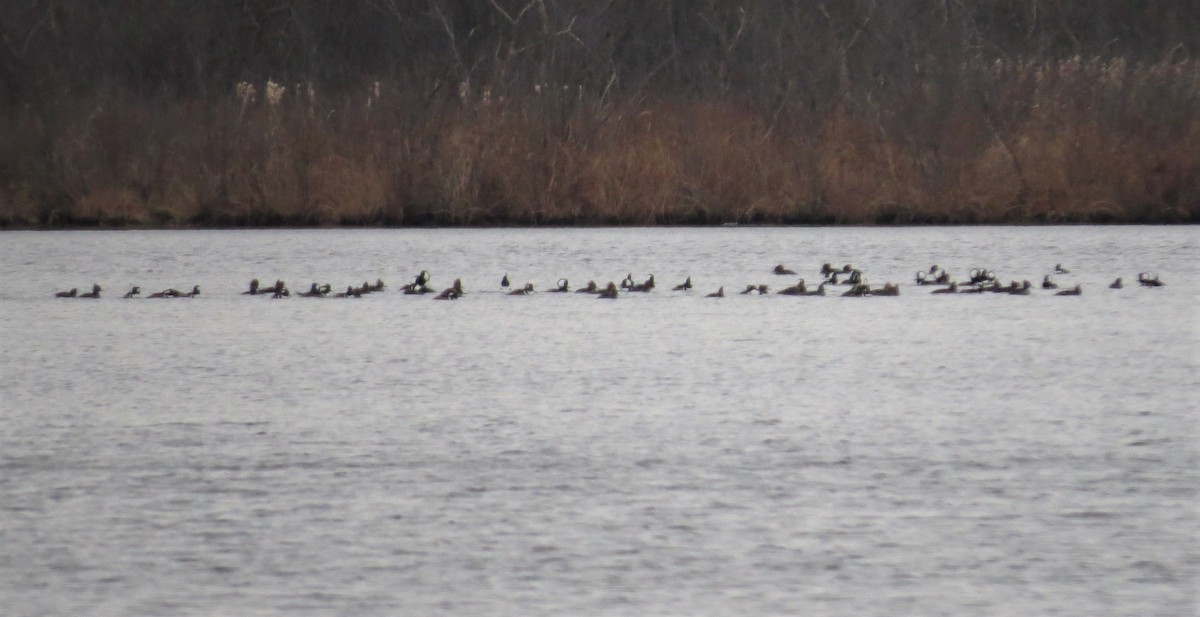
point(1063, 142)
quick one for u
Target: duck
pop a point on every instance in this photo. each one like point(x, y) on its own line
point(1021, 290)
point(647, 286)
point(1116, 284)
point(889, 289)
point(1145, 280)
point(453, 292)
point(378, 285)
point(609, 292)
point(350, 292)
point(94, 293)
point(419, 284)
point(166, 293)
point(684, 286)
point(590, 288)
point(133, 292)
point(315, 291)
point(627, 283)
point(562, 286)
point(193, 293)
point(751, 289)
point(504, 280)
point(939, 276)
point(981, 275)
point(253, 291)
point(799, 289)
point(858, 291)
point(279, 289)
point(67, 294)
point(1058, 269)
point(1074, 291)
point(819, 291)
point(524, 291)
point(719, 293)
point(1048, 283)
point(780, 269)
point(951, 289)
point(827, 269)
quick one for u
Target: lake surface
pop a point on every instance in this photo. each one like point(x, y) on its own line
point(556, 454)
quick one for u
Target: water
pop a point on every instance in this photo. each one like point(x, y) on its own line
point(663, 454)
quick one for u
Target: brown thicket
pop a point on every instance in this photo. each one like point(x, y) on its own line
point(490, 112)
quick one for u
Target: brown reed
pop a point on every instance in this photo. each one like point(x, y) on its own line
point(1071, 141)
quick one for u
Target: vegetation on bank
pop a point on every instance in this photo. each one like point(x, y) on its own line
point(511, 116)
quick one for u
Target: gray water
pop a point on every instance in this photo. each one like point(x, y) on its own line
point(556, 454)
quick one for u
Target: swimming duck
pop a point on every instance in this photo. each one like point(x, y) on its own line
point(279, 289)
point(858, 291)
point(684, 286)
point(94, 293)
point(981, 275)
point(67, 294)
point(453, 292)
point(827, 269)
point(193, 293)
point(1145, 280)
point(133, 292)
point(314, 292)
point(719, 293)
point(253, 291)
point(504, 280)
point(524, 291)
point(1022, 289)
point(779, 269)
point(799, 289)
point(889, 289)
point(627, 283)
point(647, 286)
point(819, 291)
point(609, 292)
point(349, 293)
point(1075, 291)
point(419, 284)
point(1058, 269)
point(939, 276)
point(562, 286)
point(751, 289)
point(590, 288)
point(1048, 283)
point(1116, 284)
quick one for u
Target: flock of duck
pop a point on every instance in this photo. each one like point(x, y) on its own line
point(980, 280)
